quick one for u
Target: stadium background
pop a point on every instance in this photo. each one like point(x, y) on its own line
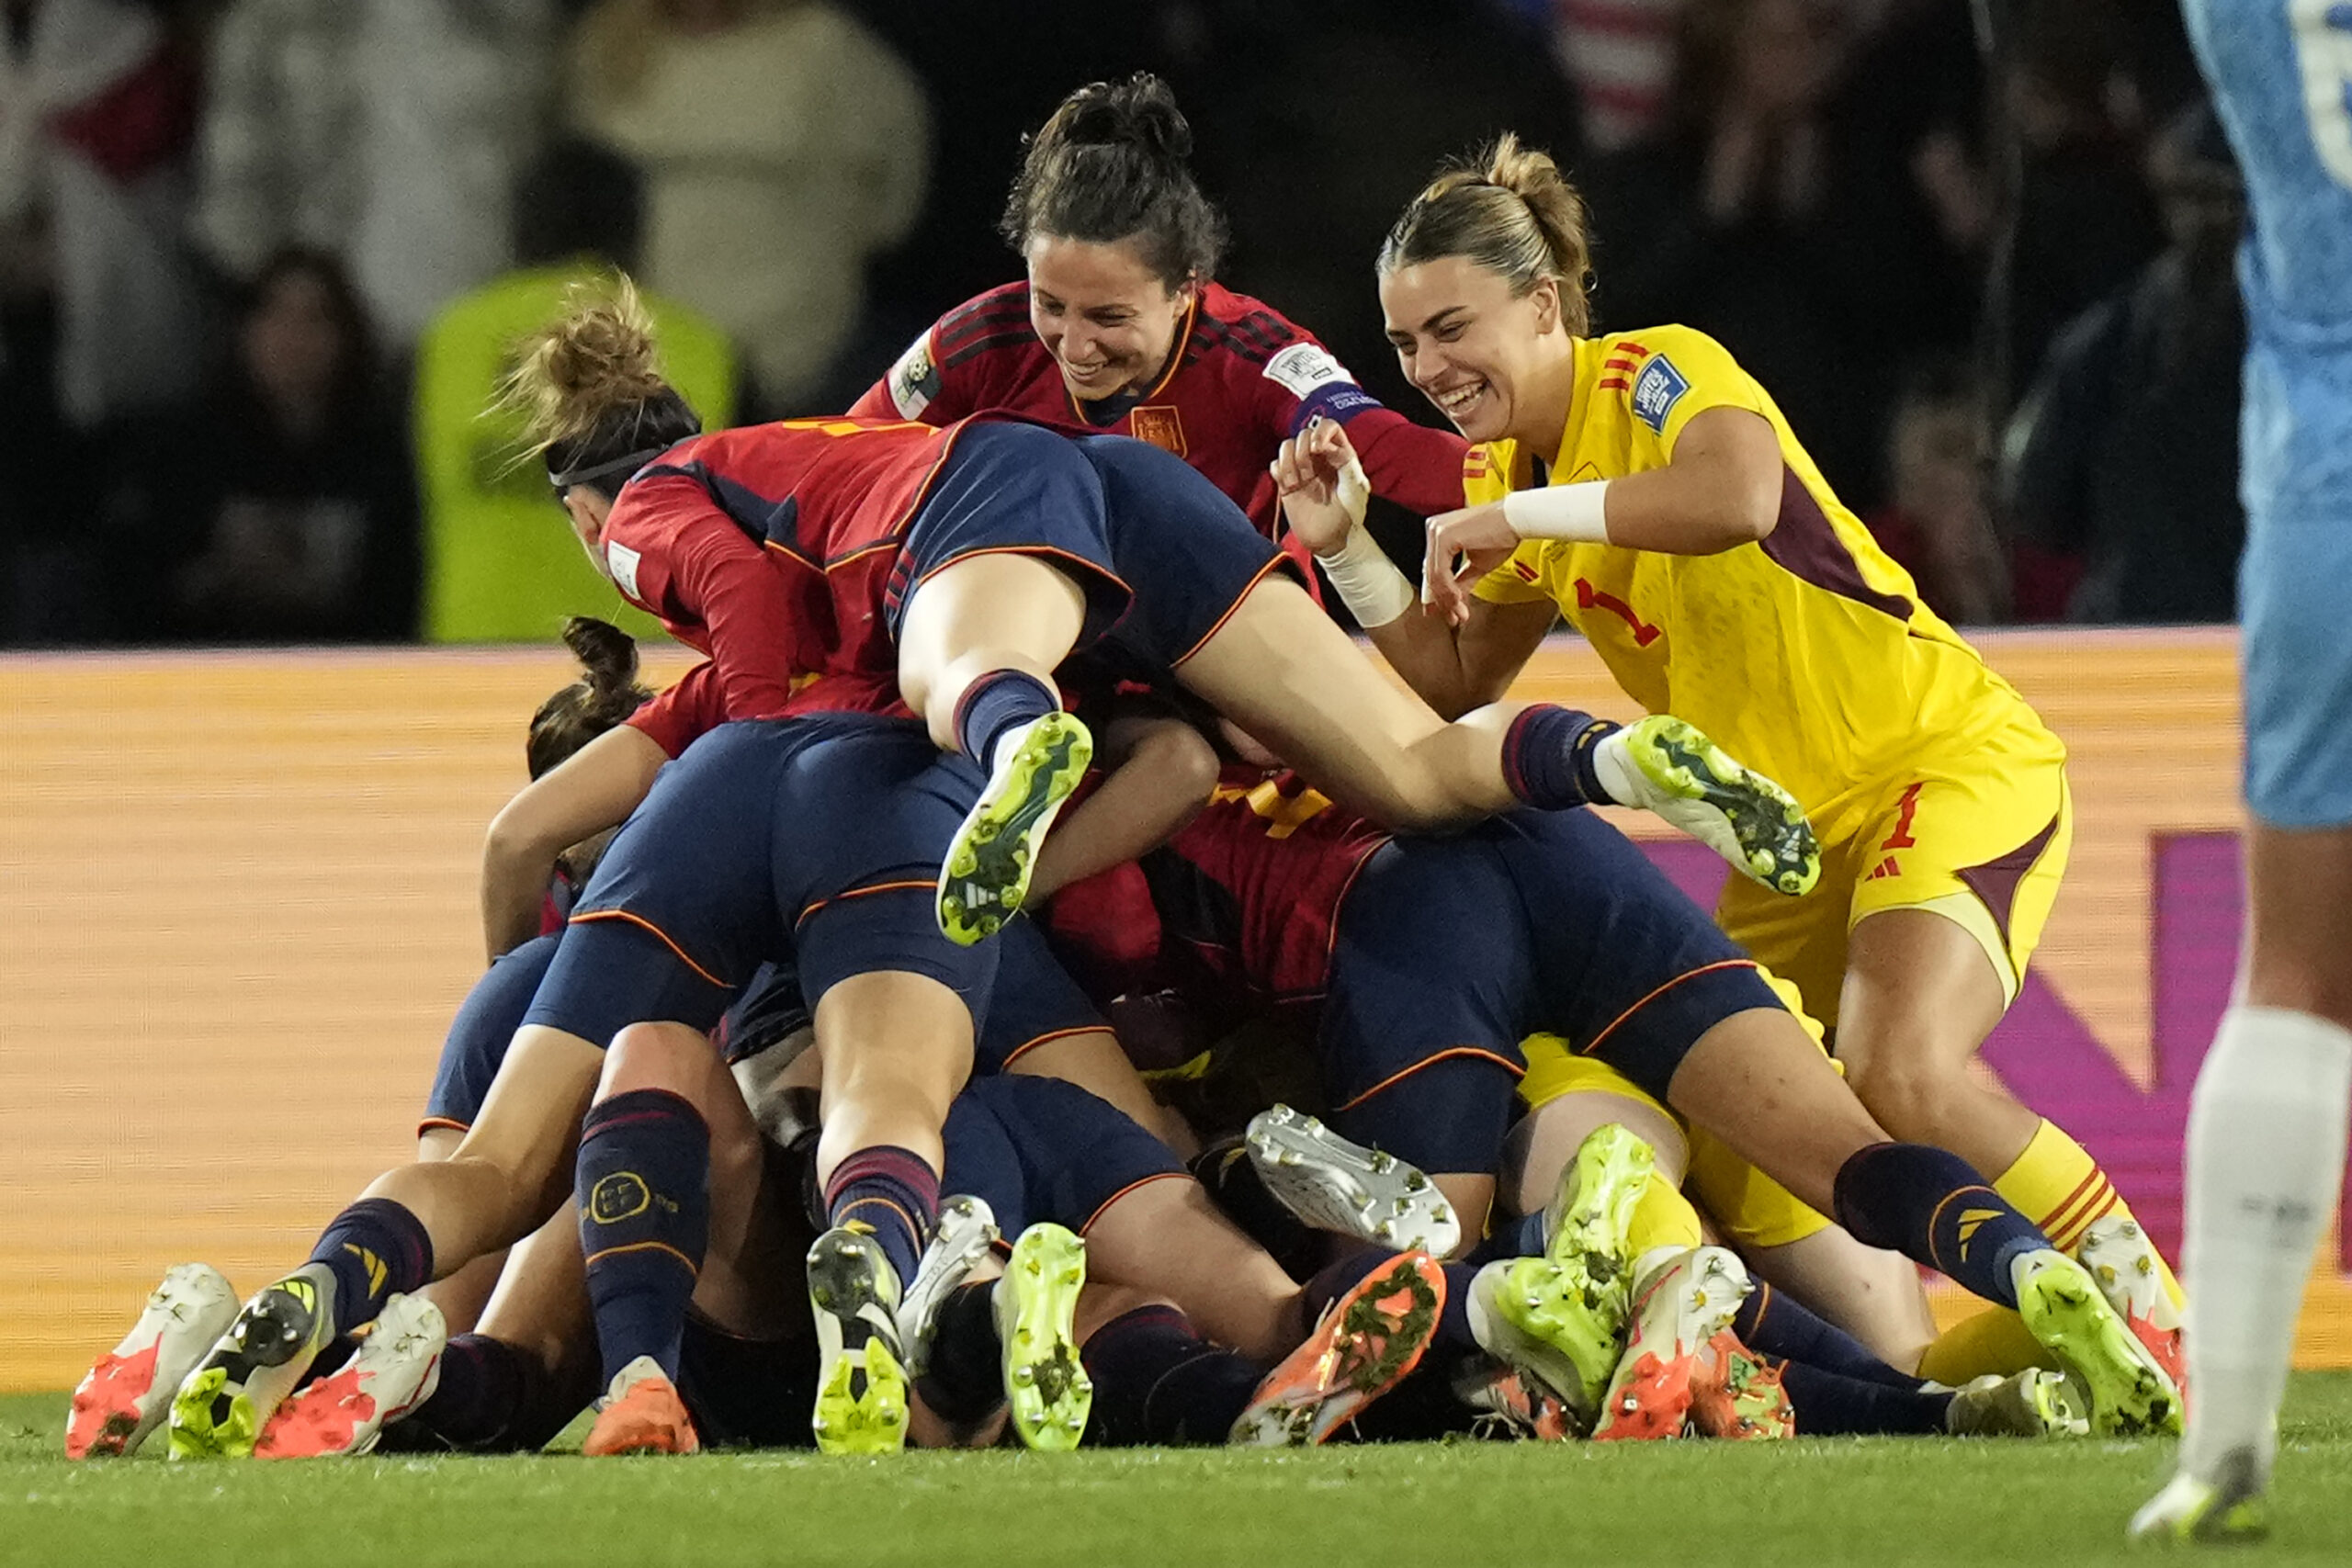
point(240, 880)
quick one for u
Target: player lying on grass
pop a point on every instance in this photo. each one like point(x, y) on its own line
point(1644, 486)
point(1420, 963)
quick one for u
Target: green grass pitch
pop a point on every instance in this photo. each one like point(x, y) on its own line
point(1883, 1502)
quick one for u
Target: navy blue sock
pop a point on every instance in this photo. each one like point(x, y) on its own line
point(375, 1248)
point(1772, 1324)
point(1547, 757)
point(963, 1381)
point(1521, 1237)
point(1336, 1279)
point(643, 1187)
point(894, 1194)
point(1829, 1405)
point(1453, 1319)
point(1931, 1206)
point(1155, 1382)
point(999, 701)
point(1233, 1182)
point(479, 1397)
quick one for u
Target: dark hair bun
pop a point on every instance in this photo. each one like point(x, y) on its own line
point(608, 653)
point(1140, 112)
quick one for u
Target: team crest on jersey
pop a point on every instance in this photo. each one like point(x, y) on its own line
point(1656, 391)
point(914, 380)
point(1160, 425)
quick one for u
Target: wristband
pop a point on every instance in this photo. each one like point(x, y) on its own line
point(1560, 511)
point(1367, 581)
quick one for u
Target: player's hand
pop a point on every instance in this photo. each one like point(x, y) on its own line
point(1462, 548)
point(1322, 485)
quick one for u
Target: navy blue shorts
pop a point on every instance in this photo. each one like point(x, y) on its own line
point(813, 839)
point(1012, 490)
point(1039, 1150)
point(747, 1393)
point(769, 1008)
point(1188, 552)
point(1032, 1001)
point(484, 1027)
point(1451, 950)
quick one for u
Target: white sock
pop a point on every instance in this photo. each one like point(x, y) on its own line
point(2266, 1155)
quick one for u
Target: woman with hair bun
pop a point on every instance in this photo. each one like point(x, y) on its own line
point(1646, 487)
point(1120, 326)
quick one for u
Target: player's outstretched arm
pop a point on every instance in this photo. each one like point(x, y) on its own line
point(1161, 773)
point(595, 788)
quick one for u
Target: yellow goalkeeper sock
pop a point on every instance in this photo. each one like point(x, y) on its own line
point(2057, 1185)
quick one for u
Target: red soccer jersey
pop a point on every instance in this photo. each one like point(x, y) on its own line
point(1243, 380)
point(1253, 884)
point(696, 703)
point(771, 547)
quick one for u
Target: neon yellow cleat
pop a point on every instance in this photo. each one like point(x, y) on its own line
point(1561, 1318)
point(984, 879)
point(1036, 1311)
point(1664, 764)
point(2064, 1310)
point(2227, 1509)
point(861, 1378)
point(221, 1407)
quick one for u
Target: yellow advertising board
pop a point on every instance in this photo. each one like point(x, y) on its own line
point(240, 894)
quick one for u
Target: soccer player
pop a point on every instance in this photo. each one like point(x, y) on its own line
point(2267, 1123)
point(1646, 487)
point(1120, 326)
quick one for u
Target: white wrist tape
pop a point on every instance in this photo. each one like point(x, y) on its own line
point(1560, 511)
point(1368, 582)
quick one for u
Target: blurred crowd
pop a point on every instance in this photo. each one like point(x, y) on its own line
point(260, 260)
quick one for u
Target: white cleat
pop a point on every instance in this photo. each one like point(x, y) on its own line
point(2123, 1264)
point(2227, 1508)
point(1681, 1302)
point(397, 1368)
point(1335, 1185)
point(129, 1393)
point(966, 1232)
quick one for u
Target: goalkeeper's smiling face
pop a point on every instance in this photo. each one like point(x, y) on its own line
point(1108, 320)
point(1485, 357)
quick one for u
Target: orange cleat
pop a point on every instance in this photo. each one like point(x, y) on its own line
point(395, 1369)
point(1512, 1404)
point(641, 1415)
point(1680, 1306)
point(1736, 1394)
point(129, 1393)
point(1365, 1343)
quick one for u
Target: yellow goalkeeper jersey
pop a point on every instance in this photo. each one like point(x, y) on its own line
point(1809, 655)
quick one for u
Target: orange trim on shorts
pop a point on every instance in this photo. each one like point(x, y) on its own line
point(1049, 1037)
point(930, 884)
point(667, 939)
point(1093, 569)
point(1105, 1207)
point(1688, 975)
point(1281, 560)
point(1504, 1063)
point(692, 1267)
point(430, 1122)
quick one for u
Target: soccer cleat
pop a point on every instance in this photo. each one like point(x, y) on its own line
point(984, 876)
point(1683, 1303)
point(2123, 1264)
point(129, 1393)
point(396, 1368)
point(1737, 1394)
point(2228, 1507)
point(1362, 1346)
point(1665, 765)
point(861, 1376)
point(2064, 1312)
point(1036, 1311)
point(222, 1405)
point(1511, 1405)
point(1560, 1318)
point(2036, 1403)
point(966, 1231)
point(642, 1414)
point(1336, 1185)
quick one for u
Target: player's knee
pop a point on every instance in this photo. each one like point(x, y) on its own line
point(1911, 1099)
point(668, 1057)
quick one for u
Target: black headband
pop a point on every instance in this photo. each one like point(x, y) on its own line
point(629, 464)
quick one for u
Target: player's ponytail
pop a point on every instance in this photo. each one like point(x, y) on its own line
point(1508, 209)
point(589, 387)
point(606, 694)
point(1108, 165)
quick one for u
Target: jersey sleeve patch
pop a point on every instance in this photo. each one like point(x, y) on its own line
point(914, 380)
point(1656, 391)
point(621, 561)
point(1304, 368)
